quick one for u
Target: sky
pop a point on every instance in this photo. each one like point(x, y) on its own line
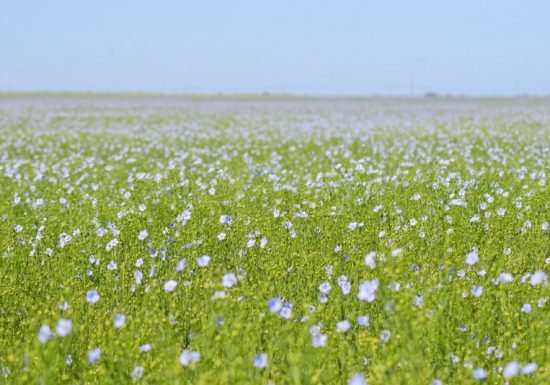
point(322, 47)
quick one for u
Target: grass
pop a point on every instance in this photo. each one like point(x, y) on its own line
point(412, 176)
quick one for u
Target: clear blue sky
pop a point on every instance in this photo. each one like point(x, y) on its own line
point(308, 47)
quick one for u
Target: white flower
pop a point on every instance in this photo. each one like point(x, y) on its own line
point(137, 373)
point(203, 260)
point(250, 243)
point(363, 320)
point(119, 320)
point(45, 333)
point(260, 361)
point(229, 280)
point(396, 252)
point(92, 296)
point(325, 288)
point(475, 218)
point(226, 219)
point(394, 286)
point(184, 216)
point(385, 336)
point(369, 259)
point(187, 357)
point(357, 379)
point(529, 368)
point(112, 243)
point(537, 278)
point(219, 294)
point(342, 279)
point(505, 278)
point(101, 232)
point(477, 291)
point(286, 311)
point(346, 287)
point(64, 239)
point(170, 285)
point(525, 278)
point(112, 266)
point(94, 355)
point(511, 369)
point(367, 290)
point(318, 340)
point(472, 258)
point(221, 236)
point(145, 348)
point(343, 326)
point(143, 234)
point(480, 374)
point(275, 304)
point(526, 308)
point(181, 265)
point(63, 327)
point(263, 243)
point(315, 329)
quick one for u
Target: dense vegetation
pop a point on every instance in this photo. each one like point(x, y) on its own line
point(274, 240)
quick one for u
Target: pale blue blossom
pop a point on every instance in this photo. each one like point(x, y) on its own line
point(260, 361)
point(137, 373)
point(229, 280)
point(187, 357)
point(529, 368)
point(472, 258)
point(203, 260)
point(119, 320)
point(170, 285)
point(92, 296)
point(63, 327)
point(94, 355)
point(357, 379)
point(275, 304)
point(367, 290)
point(45, 333)
point(511, 369)
point(479, 374)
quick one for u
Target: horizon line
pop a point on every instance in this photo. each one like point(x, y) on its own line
point(263, 94)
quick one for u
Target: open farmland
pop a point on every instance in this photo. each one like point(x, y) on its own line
point(274, 240)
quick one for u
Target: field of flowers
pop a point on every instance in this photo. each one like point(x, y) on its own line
point(274, 240)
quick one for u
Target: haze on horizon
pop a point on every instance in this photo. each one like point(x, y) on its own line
point(476, 48)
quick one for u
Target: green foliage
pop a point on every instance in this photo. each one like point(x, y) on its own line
point(324, 183)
